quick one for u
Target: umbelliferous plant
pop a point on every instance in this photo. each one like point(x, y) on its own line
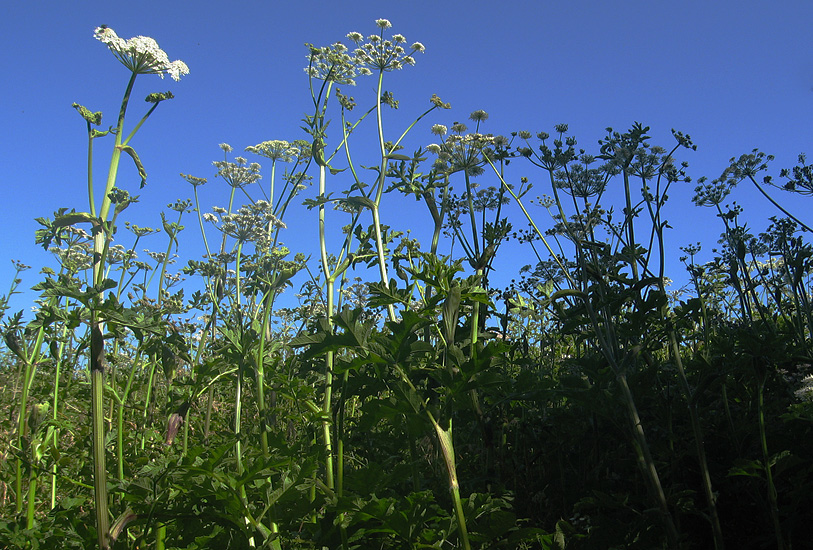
point(386, 392)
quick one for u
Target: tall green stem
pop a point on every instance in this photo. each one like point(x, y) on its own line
point(766, 462)
point(329, 284)
point(101, 235)
point(382, 170)
point(55, 406)
point(97, 420)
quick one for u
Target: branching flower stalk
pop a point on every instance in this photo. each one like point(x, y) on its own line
point(331, 65)
point(381, 55)
point(531, 221)
point(237, 175)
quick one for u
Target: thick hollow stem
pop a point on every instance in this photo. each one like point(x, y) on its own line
point(97, 419)
point(329, 289)
point(646, 463)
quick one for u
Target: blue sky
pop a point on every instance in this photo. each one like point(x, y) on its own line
point(733, 75)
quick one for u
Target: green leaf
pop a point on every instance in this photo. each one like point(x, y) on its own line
point(73, 218)
point(362, 202)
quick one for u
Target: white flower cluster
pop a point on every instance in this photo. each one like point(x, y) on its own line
point(76, 258)
point(119, 254)
point(805, 392)
point(251, 223)
point(464, 152)
point(238, 173)
point(378, 54)
point(141, 54)
point(276, 149)
point(334, 63)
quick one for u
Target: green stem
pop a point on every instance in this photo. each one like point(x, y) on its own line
point(148, 400)
point(645, 461)
point(21, 430)
point(329, 284)
point(100, 242)
point(172, 238)
point(160, 536)
point(772, 496)
point(97, 419)
point(57, 372)
point(700, 448)
point(29, 372)
point(776, 204)
point(447, 450)
point(116, 156)
point(200, 222)
point(382, 170)
point(120, 421)
point(91, 198)
point(32, 499)
point(628, 221)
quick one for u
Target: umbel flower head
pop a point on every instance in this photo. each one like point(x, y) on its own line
point(377, 54)
point(141, 54)
point(275, 149)
point(380, 54)
point(331, 63)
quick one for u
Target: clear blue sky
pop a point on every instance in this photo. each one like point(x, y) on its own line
point(734, 75)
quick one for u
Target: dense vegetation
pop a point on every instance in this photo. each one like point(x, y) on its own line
point(401, 400)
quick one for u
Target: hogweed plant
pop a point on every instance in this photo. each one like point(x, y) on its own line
point(400, 398)
point(140, 55)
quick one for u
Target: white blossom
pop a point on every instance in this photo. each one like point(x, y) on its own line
point(141, 54)
point(805, 392)
point(439, 129)
point(275, 149)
